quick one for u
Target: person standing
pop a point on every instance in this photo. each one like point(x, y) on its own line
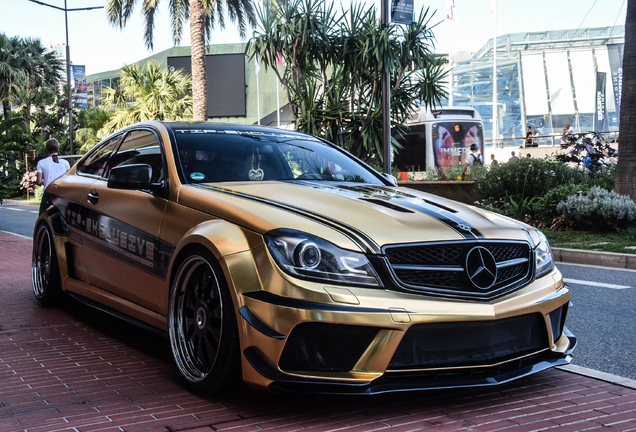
point(493, 161)
point(535, 138)
point(52, 167)
point(473, 159)
point(528, 137)
point(513, 156)
point(568, 132)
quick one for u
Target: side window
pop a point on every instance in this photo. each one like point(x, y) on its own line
point(140, 147)
point(95, 163)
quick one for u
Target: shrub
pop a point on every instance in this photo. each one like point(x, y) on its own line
point(545, 206)
point(599, 210)
point(526, 178)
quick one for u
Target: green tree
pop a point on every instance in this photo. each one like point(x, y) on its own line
point(26, 69)
point(148, 93)
point(203, 15)
point(333, 61)
point(10, 70)
point(625, 182)
point(91, 128)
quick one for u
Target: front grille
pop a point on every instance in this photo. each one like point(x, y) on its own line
point(321, 347)
point(475, 343)
point(441, 268)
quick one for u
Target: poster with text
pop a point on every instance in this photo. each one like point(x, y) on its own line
point(81, 92)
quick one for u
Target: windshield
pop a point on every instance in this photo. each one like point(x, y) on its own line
point(207, 156)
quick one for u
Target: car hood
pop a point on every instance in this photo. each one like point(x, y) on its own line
point(352, 215)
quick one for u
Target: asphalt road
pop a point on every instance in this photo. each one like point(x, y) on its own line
point(18, 219)
point(602, 317)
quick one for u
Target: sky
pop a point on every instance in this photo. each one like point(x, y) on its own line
point(101, 47)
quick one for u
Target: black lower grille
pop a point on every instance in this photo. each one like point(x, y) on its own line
point(557, 321)
point(443, 345)
point(320, 347)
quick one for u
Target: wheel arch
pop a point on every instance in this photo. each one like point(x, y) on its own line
point(220, 237)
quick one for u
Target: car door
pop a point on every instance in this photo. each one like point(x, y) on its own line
point(72, 192)
point(122, 250)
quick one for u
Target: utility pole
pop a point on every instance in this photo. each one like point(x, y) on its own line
point(68, 64)
point(386, 94)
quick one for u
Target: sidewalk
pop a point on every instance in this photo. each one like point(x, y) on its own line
point(71, 369)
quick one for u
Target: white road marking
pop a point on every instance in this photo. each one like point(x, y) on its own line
point(36, 212)
point(595, 284)
point(14, 209)
point(17, 235)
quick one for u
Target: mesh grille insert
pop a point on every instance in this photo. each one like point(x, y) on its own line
point(469, 343)
point(409, 265)
point(325, 347)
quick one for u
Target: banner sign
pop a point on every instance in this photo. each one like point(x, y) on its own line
point(402, 11)
point(600, 115)
point(615, 53)
point(81, 92)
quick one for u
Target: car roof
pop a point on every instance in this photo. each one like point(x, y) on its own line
point(222, 126)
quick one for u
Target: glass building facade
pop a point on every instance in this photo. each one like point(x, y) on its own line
point(544, 80)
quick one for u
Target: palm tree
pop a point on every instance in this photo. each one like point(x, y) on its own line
point(148, 93)
point(624, 183)
point(10, 71)
point(92, 130)
point(25, 68)
point(333, 68)
point(203, 15)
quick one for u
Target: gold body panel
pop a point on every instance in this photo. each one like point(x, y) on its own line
point(219, 218)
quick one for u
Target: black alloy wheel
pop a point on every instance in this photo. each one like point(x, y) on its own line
point(45, 272)
point(202, 324)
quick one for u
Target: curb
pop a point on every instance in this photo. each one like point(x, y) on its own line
point(603, 259)
point(20, 202)
point(603, 376)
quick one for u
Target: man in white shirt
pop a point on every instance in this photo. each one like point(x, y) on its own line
point(52, 167)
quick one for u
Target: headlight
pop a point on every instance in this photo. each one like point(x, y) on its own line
point(544, 262)
point(309, 257)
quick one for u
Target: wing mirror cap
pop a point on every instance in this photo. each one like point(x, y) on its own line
point(132, 177)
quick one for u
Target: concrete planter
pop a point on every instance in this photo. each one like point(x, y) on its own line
point(462, 191)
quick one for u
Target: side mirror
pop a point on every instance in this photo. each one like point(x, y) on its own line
point(390, 178)
point(134, 176)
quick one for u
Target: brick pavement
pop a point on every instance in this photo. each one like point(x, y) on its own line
point(71, 369)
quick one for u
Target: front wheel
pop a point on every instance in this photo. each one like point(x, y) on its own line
point(202, 325)
point(45, 271)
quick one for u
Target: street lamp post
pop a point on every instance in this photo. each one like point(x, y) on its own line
point(68, 63)
point(386, 95)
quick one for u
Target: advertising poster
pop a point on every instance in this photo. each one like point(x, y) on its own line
point(600, 114)
point(81, 93)
point(452, 141)
point(402, 11)
point(615, 53)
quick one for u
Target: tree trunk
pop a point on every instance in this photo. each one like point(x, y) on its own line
point(625, 181)
point(6, 107)
point(199, 75)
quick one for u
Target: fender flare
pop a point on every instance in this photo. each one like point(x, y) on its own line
point(220, 237)
point(56, 220)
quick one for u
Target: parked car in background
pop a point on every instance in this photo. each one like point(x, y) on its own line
point(276, 257)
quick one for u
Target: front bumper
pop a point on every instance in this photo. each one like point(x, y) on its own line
point(362, 359)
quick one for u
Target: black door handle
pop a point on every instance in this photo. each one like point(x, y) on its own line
point(93, 197)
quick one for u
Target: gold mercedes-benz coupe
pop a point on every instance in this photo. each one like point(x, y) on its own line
point(276, 257)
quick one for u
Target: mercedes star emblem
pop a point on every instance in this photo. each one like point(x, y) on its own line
point(481, 267)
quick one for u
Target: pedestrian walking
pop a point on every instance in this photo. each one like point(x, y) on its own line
point(52, 167)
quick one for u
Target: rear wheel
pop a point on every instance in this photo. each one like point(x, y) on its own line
point(45, 271)
point(202, 325)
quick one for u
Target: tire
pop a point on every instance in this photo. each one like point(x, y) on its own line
point(202, 325)
point(45, 271)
